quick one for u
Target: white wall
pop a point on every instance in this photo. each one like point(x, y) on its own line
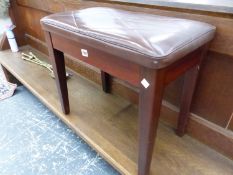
point(4, 22)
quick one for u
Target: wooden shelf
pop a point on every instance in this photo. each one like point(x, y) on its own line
point(108, 123)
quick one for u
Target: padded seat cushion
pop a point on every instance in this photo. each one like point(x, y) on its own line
point(158, 40)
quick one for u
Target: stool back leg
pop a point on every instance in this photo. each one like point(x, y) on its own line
point(105, 78)
point(57, 60)
point(190, 81)
point(150, 100)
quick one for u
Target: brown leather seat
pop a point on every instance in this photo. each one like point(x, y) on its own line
point(149, 40)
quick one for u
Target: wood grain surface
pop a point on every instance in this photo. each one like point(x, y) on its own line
point(212, 99)
point(214, 94)
point(221, 44)
point(109, 124)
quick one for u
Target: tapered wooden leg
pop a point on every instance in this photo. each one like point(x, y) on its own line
point(150, 100)
point(57, 59)
point(105, 77)
point(190, 79)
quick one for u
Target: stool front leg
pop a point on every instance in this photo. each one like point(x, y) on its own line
point(57, 60)
point(150, 100)
point(58, 63)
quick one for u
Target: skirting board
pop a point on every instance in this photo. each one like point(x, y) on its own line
point(207, 132)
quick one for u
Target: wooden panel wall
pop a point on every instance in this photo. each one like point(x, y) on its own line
point(231, 123)
point(222, 43)
point(212, 107)
point(213, 98)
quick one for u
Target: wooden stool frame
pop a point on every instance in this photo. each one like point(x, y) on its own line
point(150, 98)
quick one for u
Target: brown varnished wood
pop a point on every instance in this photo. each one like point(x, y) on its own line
point(190, 8)
point(17, 14)
point(214, 93)
point(126, 69)
point(53, 6)
point(105, 79)
point(218, 115)
point(4, 45)
point(171, 154)
point(150, 100)
point(178, 68)
point(230, 123)
point(56, 57)
point(36, 43)
point(203, 107)
point(9, 77)
point(215, 108)
point(190, 81)
point(117, 87)
point(217, 137)
point(206, 104)
point(230, 127)
point(221, 43)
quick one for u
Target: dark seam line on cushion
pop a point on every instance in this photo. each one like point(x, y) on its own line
point(125, 46)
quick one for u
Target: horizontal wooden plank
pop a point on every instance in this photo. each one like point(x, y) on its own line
point(109, 124)
point(210, 133)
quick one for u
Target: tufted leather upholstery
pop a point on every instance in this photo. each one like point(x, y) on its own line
point(157, 41)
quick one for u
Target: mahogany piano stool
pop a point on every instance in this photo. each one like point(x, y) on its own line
point(147, 51)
